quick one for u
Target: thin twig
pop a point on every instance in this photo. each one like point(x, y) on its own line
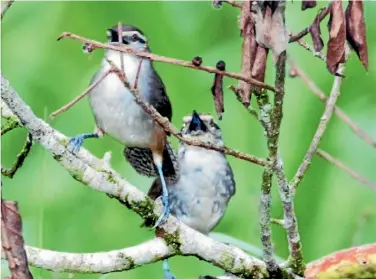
point(323, 13)
point(343, 116)
point(170, 128)
point(158, 58)
point(5, 5)
point(9, 126)
point(20, 158)
point(347, 169)
point(233, 3)
point(79, 97)
point(138, 73)
point(120, 40)
point(12, 240)
point(308, 47)
point(329, 108)
point(279, 222)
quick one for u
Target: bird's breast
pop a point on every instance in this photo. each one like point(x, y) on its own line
point(201, 195)
point(114, 108)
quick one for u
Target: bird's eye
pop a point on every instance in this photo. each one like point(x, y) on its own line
point(134, 38)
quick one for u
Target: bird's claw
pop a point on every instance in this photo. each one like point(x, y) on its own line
point(169, 275)
point(76, 143)
point(166, 212)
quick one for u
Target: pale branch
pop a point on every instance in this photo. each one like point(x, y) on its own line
point(347, 169)
point(100, 262)
point(329, 108)
point(173, 61)
point(12, 240)
point(89, 170)
point(343, 116)
point(168, 126)
point(20, 158)
point(5, 5)
point(296, 256)
point(265, 197)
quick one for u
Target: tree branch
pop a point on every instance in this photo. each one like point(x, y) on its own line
point(329, 108)
point(20, 158)
point(342, 166)
point(158, 58)
point(296, 257)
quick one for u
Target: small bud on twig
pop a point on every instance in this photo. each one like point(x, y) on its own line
point(197, 61)
point(88, 48)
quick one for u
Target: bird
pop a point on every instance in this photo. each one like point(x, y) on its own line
point(199, 196)
point(118, 115)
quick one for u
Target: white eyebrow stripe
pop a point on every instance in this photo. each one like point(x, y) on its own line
point(130, 33)
point(204, 117)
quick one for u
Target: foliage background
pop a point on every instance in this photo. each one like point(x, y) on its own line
point(59, 213)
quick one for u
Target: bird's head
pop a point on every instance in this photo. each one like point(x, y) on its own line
point(130, 36)
point(203, 128)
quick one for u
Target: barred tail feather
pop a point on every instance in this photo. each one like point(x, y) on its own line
point(141, 159)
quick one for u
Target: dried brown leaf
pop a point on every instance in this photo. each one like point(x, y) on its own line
point(315, 32)
point(308, 4)
point(217, 89)
point(249, 46)
point(270, 25)
point(337, 37)
point(259, 66)
point(356, 30)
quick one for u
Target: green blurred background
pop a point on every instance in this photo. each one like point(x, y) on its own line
point(60, 214)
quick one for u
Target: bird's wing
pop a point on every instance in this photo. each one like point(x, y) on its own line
point(159, 99)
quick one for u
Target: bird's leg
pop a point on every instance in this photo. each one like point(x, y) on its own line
point(166, 207)
point(77, 141)
point(166, 270)
point(157, 149)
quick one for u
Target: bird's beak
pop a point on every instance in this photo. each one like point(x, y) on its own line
point(196, 123)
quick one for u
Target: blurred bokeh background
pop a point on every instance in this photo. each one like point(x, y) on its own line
point(334, 211)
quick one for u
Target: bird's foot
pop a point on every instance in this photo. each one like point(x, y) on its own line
point(166, 212)
point(169, 275)
point(77, 141)
point(166, 270)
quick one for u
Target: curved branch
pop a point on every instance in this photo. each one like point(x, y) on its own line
point(100, 262)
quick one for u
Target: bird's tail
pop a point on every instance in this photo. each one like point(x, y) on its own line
point(141, 159)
